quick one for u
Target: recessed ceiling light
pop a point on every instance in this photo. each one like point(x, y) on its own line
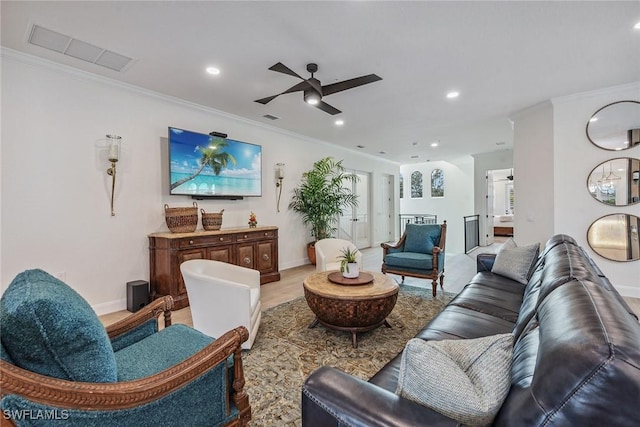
point(360, 146)
point(501, 143)
point(434, 144)
point(382, 152)
point(637, 26)
point(415, 156)
point(339, 122)
point(213, 71)
point(453, 94)
point(414, 143)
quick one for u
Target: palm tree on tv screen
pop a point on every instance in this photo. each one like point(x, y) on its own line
point(213, 156)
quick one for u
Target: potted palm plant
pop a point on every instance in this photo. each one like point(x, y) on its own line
point(321, 197)
point(349, 263)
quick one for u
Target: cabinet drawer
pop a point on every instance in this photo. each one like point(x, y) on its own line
point(205, 241)
point(255, 235)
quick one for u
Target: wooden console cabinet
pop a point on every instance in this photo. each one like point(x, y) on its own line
point(255, 248)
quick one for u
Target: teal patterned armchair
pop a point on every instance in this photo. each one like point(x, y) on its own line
point(58, 363)
point(419, 253)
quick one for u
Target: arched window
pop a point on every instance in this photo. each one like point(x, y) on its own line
point(437, 183)
point(416, 185)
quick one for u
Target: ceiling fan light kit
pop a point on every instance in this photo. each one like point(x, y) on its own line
point(312, 89)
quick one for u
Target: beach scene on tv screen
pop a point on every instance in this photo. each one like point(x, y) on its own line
point(212, 166)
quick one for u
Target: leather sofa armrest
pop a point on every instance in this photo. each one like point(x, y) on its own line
point(334, 398)
point(484, 262)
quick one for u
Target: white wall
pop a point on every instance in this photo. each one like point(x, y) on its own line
point(453, 207)
point(55, 191)
point(484, 162)
point(575, 157)
point(533, 159)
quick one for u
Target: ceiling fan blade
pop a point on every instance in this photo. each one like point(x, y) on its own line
point(327, 108)
point(300, 86)
point(281, 68)
point(267, 99)
point(349, 84)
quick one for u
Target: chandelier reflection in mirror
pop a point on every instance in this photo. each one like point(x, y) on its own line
point(613, 182)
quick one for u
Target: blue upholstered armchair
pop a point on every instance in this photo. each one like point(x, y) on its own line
point(58, 363)
point(419, 253)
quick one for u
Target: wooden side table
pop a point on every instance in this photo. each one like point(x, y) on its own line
point(357, 308)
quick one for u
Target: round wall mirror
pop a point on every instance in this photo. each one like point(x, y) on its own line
point(616, 182)
point(615, 126)
point(615, 237)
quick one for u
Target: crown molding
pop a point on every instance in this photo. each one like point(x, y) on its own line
point(34, 61)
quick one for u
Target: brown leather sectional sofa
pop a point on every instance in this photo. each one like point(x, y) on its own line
point(576, 358)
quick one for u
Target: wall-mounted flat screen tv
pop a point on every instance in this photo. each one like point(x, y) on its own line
point(204, 166)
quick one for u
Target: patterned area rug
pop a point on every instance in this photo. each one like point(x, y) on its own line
point(286, 351)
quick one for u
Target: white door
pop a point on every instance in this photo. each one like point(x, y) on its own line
point(355, 223)
point(385, 219)
point(488, 220)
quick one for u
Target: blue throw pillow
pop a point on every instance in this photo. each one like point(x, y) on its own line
point(48, 328)
point(421, 238)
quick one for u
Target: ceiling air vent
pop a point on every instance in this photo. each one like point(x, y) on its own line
point(270, 117)
point(75, 48)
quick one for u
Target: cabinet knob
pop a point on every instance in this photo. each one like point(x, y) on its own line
point(247, 260)
point(265, 257)
point(245, 236)
point(221, 239)
point(266, 234)
point(191, 242)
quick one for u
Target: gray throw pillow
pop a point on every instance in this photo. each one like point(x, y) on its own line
point(515, 262)
point(467, 380)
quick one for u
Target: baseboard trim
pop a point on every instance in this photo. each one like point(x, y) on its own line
point(628, 291)
point(110, 307)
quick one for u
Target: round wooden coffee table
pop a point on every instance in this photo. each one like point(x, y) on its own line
point(352, 308)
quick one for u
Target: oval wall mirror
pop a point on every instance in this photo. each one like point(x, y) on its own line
point(616, 182)
point(615, 237)
point(615, 126)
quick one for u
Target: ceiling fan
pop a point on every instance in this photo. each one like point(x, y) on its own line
point(508, 178)
point(313, 91)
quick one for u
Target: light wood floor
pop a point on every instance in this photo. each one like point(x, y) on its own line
point(459, 269)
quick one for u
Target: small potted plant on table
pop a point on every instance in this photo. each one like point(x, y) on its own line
point(349, 263)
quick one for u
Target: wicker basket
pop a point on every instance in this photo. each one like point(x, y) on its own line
point(211, 221)
point(181, 220)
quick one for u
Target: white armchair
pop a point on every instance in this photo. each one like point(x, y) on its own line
point(222, 296)
point(328, 251)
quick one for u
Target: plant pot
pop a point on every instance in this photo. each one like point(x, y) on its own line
point(311, 252)
point(351, 271)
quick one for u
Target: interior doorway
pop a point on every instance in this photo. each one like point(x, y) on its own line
point(500, 203)
point(355, 223)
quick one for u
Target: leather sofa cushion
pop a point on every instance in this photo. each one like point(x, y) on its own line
point(581, 368)
point(490, 300)
point(461, 322)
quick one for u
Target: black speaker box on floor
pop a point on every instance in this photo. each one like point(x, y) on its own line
point(137, 295)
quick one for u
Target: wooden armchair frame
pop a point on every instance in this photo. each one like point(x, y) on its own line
point(432, 274)
point(123, 395)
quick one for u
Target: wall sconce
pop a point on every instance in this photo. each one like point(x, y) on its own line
point(113, 144)
point(279, 177)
